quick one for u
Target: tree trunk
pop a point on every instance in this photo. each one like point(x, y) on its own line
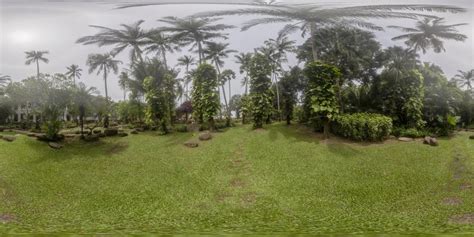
point(313, 41)
point(106, 120)
point(165, 62)
point(200, 52)
point(278, 96)
point(326, 128)
point(37, 70)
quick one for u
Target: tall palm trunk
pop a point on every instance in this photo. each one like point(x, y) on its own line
point(278, 95)
point(165, 61)
point(313, 41)
point(106, 120)
point(200, 51)
point(223, 93)
point(37, 70)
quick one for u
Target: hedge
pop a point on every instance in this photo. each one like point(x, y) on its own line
point(362, 126)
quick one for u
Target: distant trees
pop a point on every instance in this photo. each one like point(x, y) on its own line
point(74, 72)
point(36, 57)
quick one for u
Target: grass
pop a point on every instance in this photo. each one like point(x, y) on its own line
point(278, 180)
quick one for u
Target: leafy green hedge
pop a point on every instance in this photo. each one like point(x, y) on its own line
point(362, 126)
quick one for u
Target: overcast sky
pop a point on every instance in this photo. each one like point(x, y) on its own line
point(55, 25)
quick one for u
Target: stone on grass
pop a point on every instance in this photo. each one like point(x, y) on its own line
point(134, 131)
point(471, 137)
point(430, 141)
point(9, 138)
point(205, 136)
point(55, 145)
point(405, 139)
point(110, 132)
point(191, 144)
point(122, 134)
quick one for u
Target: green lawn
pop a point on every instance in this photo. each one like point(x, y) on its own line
point(282, 179)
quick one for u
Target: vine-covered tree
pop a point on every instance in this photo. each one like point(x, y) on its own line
point(289, 84)
point(205, 98)
point(320, 95)
point(260, 71)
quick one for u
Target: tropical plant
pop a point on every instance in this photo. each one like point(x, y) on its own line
point(244, 59)
point(465, 79)
point(157, 97)
point(131, 36)
point(82, 98)
point(159, 43)
point(186, 61)
point(362, 126)
point(205, 98)
point(194, 31)
point(74, 72)
point(36, 57)
point(103, 63)
point(429, 33)
point(235, 104)
point(260, 70)
point(4, 80)
point(321, 93)
point(308, 17)
point(289, 84)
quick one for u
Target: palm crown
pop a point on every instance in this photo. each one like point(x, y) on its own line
point(429, 33)
point(194, 31)
point(131, 36)
point(35, 57)
point(465, 79)
point(74, 72)
point(216, 52)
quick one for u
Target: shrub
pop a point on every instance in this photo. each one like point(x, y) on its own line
point(410, 132)
point(362, 126)
point(181, 128)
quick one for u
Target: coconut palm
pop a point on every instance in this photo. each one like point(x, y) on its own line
point(308, 17)
point(216, 52)
point(159, 43)
point(82, 97)
point(244, 60)
point(103, 63)
point(4, 80)
point(131, 36)
point(186, 61)
point(465, 79)
point(123, 82)
point(194, 31)
point(35, 57)
point(429, 33)
point(74, 72)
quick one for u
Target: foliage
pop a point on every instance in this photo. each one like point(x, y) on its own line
point(185, 108)
point(409, 132)
point(289, 87)
point(235, 104)
point(362, 126)
point(260, 94)
point(158, 96)
point(205, 98)
point(320, 93)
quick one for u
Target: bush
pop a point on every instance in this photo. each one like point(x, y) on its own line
point(181, 128)
point(410, 132)
point(362, 126)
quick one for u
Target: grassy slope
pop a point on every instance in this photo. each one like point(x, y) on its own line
point(278, 180)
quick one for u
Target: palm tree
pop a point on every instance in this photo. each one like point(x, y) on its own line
point(244, 60)
point(429, 33)
point(194, 31)
point(74, 72)
point(131, 36)
point(36, 57)
point(308, 17)
point(103, 63)
point(83, 96)
point(216, 52)
point(160, 44)
point(186, 61)
point(123, 82)
point(465, 79)
point(4, 79)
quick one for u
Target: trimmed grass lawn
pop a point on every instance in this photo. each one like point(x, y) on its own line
point(281, 179)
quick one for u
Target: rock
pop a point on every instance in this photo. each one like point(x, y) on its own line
point(405, 139)
point(91, 138)
point(191, 144)
point(471, 137)
point(122, 134)
point(55, 145)
point(140, 129)
point(9, 138)
point(134, 131)
point(430, 141)
point(110, 132)
point(97, 131)
point(205, 136)
point(42, 137)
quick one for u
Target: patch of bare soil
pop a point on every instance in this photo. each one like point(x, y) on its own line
point(222, 196)
point(465, 186)
point(452, 201)
point(259, 130)
point(463, 219)
point(117, 148)
point(7, 218)
point(249, 198)
point(237, 183)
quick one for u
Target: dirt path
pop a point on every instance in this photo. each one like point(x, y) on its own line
point(460, 182)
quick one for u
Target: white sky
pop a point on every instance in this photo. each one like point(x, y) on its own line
point(56, 25)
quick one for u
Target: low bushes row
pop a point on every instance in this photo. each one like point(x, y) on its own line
point(362, 126)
